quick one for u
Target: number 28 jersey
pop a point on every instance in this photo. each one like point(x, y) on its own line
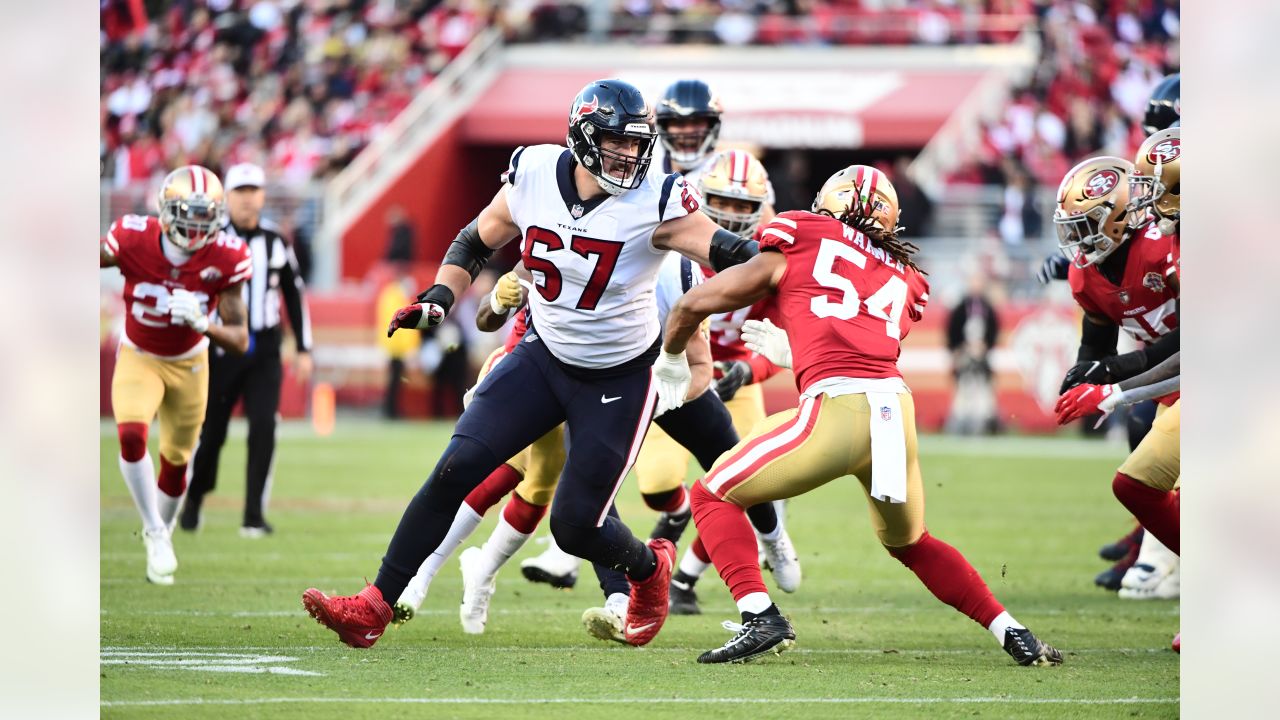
point(845, 304)
point(150, 279)
point(594, 266)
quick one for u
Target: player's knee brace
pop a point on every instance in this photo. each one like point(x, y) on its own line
point(133, 441)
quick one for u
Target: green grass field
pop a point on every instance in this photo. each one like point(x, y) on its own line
point(230, 639)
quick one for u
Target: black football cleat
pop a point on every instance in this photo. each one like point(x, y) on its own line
point(671, 526)
point(1023, 646)
point(1117, 550)
point(684, 601)
point(1111, 578)
point(759, 635)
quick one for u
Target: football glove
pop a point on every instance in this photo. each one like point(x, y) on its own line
point(431, 308)
point(1088, 399)
point(671, 372)
point(769, 340)
point(1054, 267)
point(733, 375)
point(1091, 372)
point(506, 294)
point(185, 309)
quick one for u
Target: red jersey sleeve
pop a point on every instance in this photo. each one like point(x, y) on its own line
point(780, 234)
point(1076, 279)
point(125, 236)
point(235, 261)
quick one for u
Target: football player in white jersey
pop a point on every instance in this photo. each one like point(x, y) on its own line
point(594, 226)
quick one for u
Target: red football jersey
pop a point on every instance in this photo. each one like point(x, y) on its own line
point(845, 304)
point(726, 336)
point(1144, 303)
point(149, 278)
point(518, 328)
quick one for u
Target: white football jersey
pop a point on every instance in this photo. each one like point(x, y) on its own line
point(677, 276)
point(593, 263)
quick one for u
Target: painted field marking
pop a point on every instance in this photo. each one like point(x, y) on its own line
point(654, 701)
point(227, 662)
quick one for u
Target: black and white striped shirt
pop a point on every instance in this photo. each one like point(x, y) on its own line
point(275, 273)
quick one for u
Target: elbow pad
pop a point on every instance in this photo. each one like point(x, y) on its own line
point(468, 251)
point(728, 249)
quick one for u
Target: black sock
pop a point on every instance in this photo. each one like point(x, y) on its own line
point(686, 580)
point(763, 517)
point(771, 610)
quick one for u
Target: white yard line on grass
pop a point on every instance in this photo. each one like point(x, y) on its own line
point(170, 651)
point(655, 701)
point(867, 610)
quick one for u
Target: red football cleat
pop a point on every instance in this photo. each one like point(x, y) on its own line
point(649, 604)
point(1177, 643)
point(359, 619)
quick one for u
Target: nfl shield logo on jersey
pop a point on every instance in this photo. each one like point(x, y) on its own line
point(1124, 296)
point(577, 210)
point(885, 413)
point(210, 274)
point(1153, 282)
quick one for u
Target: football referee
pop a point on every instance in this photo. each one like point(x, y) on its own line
point(256, 375)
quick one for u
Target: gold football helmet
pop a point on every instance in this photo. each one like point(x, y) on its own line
point(191, 207)
point(1092, 209)
point(1155, 182)
point(865, 187)
point(735, 179)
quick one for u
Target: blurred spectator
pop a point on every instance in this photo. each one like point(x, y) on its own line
point(400, 236)
point(393, 296)
point(1020, 219)
point(915, 208)
point(972, 329)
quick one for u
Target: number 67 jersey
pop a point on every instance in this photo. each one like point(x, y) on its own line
point(593, 263)
point(845, 304)
point(150, 279)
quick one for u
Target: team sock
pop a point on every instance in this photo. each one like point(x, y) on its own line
point(672, 502)
point(749, 616)
point(172, 483)
point(694, 562)
point(464, 523)
point(764, 518)
point(1157, 510)
point(753, 604)
point(503, 542)
point(494, 488)
point(1004, 621)
point(730, 542)
point(523, 515)
point(140, 476)
point(950, 578)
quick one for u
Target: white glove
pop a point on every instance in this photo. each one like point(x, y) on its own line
point(769, 340)
point(186, 309)
point(673, 377)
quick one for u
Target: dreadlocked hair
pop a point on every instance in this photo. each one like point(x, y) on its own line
point(887, 240)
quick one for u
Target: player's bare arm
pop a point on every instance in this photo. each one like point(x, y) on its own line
point(464, 260)
point(700, 239)
point(737, 287)
point(233, 333)
point(701, 367)
point(105, 259)
point(1170, 368)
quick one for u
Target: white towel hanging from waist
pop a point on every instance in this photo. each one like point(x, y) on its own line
point(888, 448)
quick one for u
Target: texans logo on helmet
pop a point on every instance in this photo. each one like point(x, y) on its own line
point(1165, 151)
point(1102, 183)
point(586, 108)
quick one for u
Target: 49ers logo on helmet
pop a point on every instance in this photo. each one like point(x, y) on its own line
point(1165, 151)
point(1101, 184)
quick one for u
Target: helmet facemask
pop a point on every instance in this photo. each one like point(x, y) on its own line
point(689, 148)
point(1083, 238)
point(742, 224)
point(191, 222)
point(616, 172)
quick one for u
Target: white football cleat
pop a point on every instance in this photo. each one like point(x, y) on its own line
point(161, 562)
point(1151, 582)
point(553, 566)
point(606, 623)
point(477, 590)
point(781, 559)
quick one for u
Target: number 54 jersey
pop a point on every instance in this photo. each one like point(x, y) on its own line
point(593, 263)
point(845, 304)
point(150, 279)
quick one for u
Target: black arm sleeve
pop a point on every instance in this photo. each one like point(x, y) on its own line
point(1097, 341)
point(728, 249)
point(468, 251)
point(295, 300)
point(1127, 365)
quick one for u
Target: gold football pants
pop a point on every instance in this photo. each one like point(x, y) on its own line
point(144, 385)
